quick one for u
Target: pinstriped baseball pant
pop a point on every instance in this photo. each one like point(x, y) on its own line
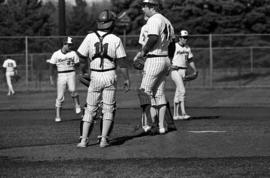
point(65, 80)
point(180, 91)
point(9, 82)
point(153, 81)
point(102, 88)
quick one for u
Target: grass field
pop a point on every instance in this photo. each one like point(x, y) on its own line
point(249, 167)
point(228, 136)
point(216, 142)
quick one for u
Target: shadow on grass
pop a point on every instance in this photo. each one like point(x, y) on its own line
point(136, 134)
point(204, 117)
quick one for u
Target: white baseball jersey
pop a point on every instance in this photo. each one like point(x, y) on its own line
point(64, 62)
point(181, 55)
point(111, 46)
point(9, 64)
point(143, 35)
point(162, 27)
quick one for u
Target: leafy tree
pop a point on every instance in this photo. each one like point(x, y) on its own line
point(79, 21)
point(24, 17)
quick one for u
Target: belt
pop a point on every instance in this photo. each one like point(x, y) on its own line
point(154, 55)
point(177, 68)
point(102, 70)
point(66, 71)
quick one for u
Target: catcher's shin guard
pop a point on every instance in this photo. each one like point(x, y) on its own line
point(169, 118)
point(111, 128)
point(89, 132)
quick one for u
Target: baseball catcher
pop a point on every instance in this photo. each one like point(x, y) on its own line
point(85, 80)
point(104, 52)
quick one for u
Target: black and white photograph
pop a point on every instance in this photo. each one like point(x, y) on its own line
point(135, 88)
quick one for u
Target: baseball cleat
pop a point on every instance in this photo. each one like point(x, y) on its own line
point(175, 117)
point(146, 128)
point(182, 117)
point(185, 117)
point(78, 110)
point(162, 130)
point(103, 143)
point(82, 144)
point(57, 119)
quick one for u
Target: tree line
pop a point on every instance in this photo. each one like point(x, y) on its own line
point(36, 18)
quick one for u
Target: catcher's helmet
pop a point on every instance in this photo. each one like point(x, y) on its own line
point(106, 20)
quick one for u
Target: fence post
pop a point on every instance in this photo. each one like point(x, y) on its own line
point(125, 36)
point(251, 60)
point(210, 61)
point(26, 62)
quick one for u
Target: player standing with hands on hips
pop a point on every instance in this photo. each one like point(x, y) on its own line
point(11, 70)
point(105, 52)
point(66, 61)
point(182, 58)
point(160, 34)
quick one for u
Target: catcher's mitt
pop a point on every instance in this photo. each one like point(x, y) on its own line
point(139, 63)
point(192, 76)
point(85, 79)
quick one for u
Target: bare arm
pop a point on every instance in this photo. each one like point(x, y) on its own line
point(83, 63)
point(51, 68)
point(193, 66)
point(123, 65)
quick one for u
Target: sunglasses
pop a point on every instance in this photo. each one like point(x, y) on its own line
point(184, 37)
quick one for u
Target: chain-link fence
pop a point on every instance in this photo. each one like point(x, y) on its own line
point(230, 60)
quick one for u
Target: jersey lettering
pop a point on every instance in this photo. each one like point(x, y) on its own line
point(101, 49)
point(70, 62)
point(10, 64)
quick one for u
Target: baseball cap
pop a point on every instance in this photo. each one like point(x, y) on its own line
point(184, 34)
point(153, 2)
point(68, 40)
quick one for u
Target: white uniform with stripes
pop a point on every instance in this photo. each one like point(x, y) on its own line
point(10, 66)
point(156, 68)
point(103, 73)
point(181, 56)
point(66, 73)
point(143, 97)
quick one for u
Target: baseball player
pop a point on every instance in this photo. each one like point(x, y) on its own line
point(11, 70)
point(105, 52)
point(159, 33)
point(182, 58)
point(66, 61)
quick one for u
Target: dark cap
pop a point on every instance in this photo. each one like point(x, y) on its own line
point(68, 40)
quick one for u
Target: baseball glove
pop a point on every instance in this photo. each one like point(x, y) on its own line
point(192, 76)
point(16, 78)
point(139, 63)
point(85, 79)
